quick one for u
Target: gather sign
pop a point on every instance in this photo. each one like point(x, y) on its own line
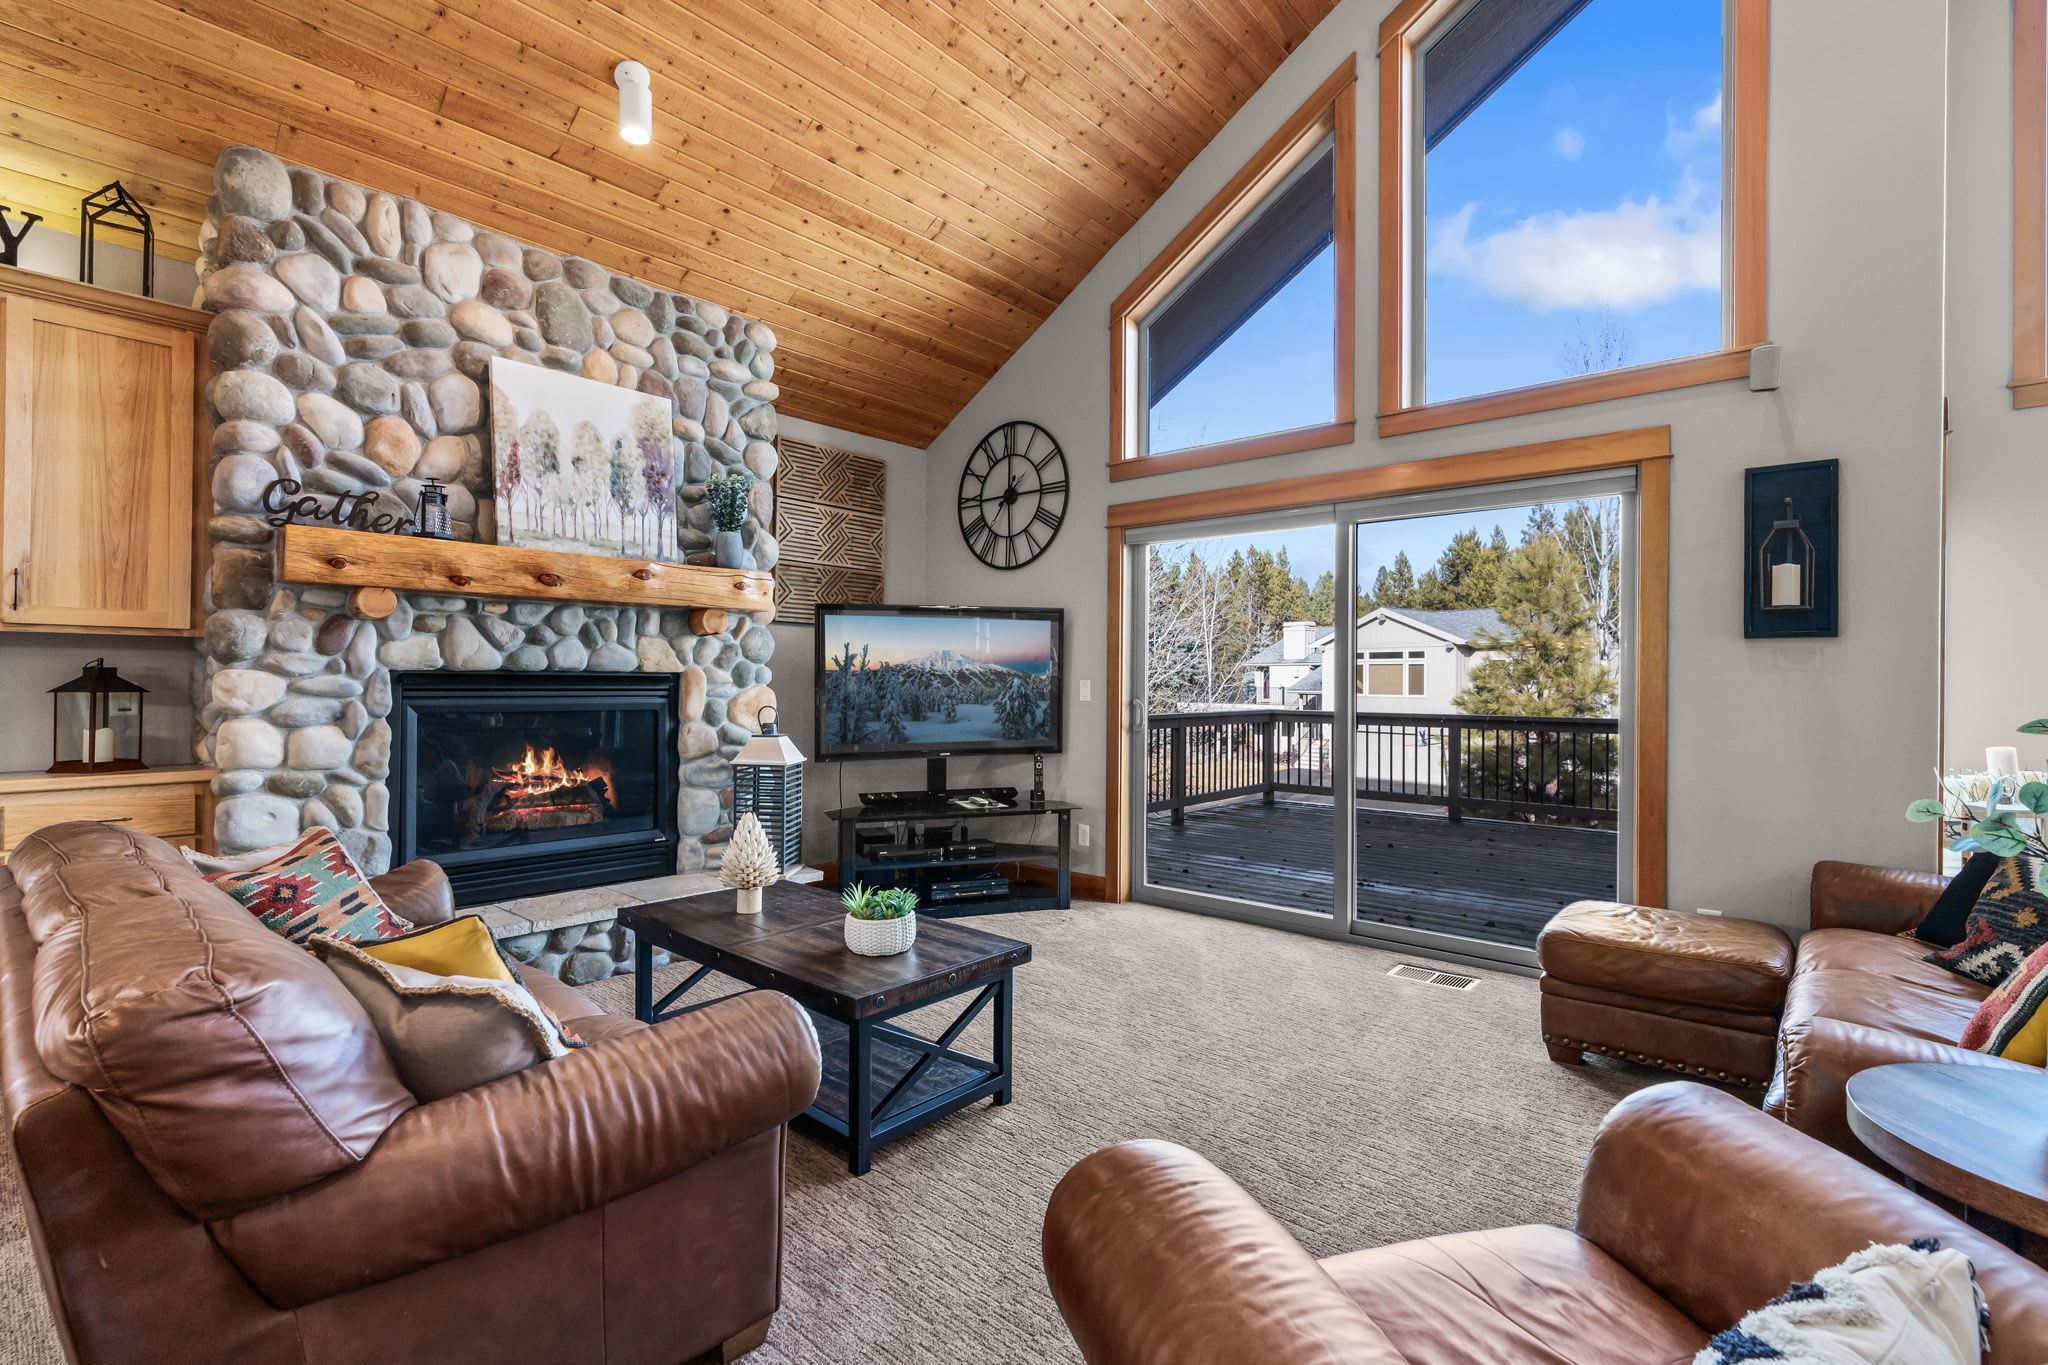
point(287, 502)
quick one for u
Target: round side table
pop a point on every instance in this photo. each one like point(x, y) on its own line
point(1978, 1134)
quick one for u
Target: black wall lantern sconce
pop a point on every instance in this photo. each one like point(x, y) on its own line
point(1792, 545)
point(112, 206)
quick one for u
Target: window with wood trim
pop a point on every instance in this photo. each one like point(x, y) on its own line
point(1571, 202)
point(2030, 204)
point(1237, 341)
point(1392, 673)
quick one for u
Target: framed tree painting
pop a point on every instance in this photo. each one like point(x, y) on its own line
point(580, 465)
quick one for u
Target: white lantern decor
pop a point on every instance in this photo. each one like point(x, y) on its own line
point(768, 782)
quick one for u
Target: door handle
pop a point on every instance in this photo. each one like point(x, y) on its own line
point(17, 591)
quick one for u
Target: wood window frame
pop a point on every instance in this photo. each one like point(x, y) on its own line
point(1646, 449)
point(1331, 110)
point(1746, 108)
point(2029, 383)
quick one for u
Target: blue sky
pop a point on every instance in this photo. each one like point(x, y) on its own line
point(1581, 201)
point(1586, 190)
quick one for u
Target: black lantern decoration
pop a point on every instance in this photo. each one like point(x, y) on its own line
point(768, 779)
point(112, 206)
point(1792, 535)
point(10, 237)
point(1785, 565)
point(434, 511)
point(97, 723)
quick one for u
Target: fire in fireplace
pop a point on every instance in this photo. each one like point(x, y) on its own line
point(523, 783)
point(539, 791)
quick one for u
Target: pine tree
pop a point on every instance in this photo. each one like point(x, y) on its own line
point(1320, 606)
point(1394, 584)
point(1547, 659)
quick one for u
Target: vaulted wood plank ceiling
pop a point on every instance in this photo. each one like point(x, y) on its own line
point(903, 189)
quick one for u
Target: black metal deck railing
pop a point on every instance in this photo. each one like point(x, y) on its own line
point(1561, 769)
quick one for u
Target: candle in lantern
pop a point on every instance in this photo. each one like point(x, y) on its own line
point(98, 744)
point(1785, 585)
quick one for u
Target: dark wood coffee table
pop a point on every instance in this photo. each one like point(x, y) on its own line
point(881, 1080)
point(1978, 1134)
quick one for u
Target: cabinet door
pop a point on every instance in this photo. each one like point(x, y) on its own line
point(96, 485)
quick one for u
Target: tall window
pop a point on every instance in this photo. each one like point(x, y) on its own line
point(1247, 344)
point(2030, 205)
point(1237, 341)
point(1572, 202)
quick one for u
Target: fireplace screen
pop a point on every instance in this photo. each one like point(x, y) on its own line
point(489, 778)
point(519, 784)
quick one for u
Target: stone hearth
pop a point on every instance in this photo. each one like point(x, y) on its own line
point(351, 343)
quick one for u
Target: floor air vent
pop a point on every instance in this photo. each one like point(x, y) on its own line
point(1432, 976)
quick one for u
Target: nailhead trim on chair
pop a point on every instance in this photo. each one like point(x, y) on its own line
point(1623, 1054)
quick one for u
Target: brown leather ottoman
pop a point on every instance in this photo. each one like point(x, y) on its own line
point(1698, 994)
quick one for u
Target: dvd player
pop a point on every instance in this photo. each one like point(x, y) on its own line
point(953, 892)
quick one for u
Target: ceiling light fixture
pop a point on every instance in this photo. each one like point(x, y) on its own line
point(636, 103)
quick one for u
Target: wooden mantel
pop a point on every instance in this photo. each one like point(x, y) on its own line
point(368, 561)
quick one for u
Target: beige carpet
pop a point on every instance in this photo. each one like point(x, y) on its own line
point(1360, 1109)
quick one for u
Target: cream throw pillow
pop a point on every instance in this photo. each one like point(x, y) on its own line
point(446, 1034)
point(1886, 1305)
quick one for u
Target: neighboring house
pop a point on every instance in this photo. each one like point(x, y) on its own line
point(1408, 660)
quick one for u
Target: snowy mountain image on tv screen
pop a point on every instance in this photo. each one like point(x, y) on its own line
point(937, 680)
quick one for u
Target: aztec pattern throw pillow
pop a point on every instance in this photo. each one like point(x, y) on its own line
point(312, 887)
point(2008, 922)
point(2011, 1022)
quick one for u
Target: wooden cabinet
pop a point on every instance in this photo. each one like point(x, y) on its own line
point(99, 417)
point(171, 803)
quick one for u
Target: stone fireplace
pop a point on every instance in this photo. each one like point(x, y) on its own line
point(352, 338)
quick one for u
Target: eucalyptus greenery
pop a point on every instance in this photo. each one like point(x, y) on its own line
point(1999, 831)
point(877, 902)
point(728, 493)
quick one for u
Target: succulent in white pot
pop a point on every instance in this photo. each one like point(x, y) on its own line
point(880, 920)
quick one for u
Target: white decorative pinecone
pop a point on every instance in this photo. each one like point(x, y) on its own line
point(749, 861)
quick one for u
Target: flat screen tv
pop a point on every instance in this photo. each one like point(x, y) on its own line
point(925, 682)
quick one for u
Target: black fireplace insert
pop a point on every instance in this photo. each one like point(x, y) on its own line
point(525, 783)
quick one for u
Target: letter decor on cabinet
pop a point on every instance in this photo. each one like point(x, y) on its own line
point(99, 413)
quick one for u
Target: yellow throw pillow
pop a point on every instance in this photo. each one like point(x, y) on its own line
point(461, 947)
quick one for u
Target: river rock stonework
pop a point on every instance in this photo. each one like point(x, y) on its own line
point(351, 342)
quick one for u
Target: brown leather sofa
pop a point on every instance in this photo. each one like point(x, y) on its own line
point(220, 1163)
point(1860, 996)
point(1694, 1209)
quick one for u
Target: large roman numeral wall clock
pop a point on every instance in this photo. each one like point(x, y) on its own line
point(1013, 495)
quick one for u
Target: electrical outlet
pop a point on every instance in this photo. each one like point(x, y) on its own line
point(1082, 835)
point(1087, 690)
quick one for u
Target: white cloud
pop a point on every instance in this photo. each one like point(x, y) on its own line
point(1681, 140)
point(1570, 143)
point(1637, 253)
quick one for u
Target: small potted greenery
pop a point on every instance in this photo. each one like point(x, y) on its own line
point(880, 920)
point(729, 493)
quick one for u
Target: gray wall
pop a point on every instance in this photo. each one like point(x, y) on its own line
point(31, 664)
point(834, 784)
point(1996, 657)
point(1781, 753)
point(51, 252)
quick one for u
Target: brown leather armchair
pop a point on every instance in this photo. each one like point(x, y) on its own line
point(220, 1164)
point(1861, 996)
point(1694, 1209)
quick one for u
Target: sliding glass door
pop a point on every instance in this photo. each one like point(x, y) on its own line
point(1441, 765)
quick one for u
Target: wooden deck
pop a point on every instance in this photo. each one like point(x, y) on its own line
point(1488, 879)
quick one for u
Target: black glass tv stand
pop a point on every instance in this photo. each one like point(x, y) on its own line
point(919, 854)
point(938, 792)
